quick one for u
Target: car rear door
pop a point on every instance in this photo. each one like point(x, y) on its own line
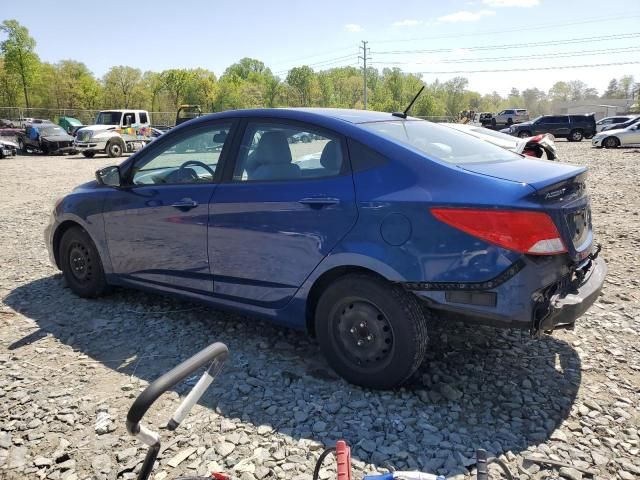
point(156, 227)
point(284, 206)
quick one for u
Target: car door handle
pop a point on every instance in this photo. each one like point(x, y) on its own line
point(319, 202)
point(185, 204)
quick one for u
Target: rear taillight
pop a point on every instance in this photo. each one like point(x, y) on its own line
point(533, 233)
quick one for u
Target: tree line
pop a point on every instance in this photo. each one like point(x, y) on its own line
point(26, 81)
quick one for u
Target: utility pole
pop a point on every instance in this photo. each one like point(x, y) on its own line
point(364, 57)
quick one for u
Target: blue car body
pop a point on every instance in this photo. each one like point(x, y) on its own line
point(266, 248)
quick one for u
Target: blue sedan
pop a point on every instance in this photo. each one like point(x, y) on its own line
point(359, 234)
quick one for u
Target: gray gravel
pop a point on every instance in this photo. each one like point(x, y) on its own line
point(69, 369)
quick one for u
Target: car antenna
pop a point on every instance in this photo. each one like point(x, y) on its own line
point(406, 110)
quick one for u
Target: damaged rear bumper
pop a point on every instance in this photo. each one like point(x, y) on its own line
point(563, 303)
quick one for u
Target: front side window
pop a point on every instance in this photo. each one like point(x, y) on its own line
point(109, 118)
point(440, 143)
point(193, 159)
point(275, 151)
point(143, 117)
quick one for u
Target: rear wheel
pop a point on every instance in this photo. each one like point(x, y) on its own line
point(372, 333)
point(524, 134)
point(81, 264)
point(611, 142)
point(115, 148)
point(509, 122)
point(493, 122)
point(89, 154)
point(22, 146)
point(575, 136)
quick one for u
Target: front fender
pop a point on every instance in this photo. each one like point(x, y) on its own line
point(88, 215)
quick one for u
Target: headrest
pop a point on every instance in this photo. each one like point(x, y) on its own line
point(272, 149)
point(331, 159)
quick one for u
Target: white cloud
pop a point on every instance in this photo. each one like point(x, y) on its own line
point(511, 3)
point(353, 27)
point(465, 16)
point(407, 23)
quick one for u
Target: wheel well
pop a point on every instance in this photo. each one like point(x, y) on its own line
point(57, 236)
point(322, 282)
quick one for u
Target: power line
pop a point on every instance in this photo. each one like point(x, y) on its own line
point(520, 57)
point(324, 63)
point(530, 69)
point(620, 36)
point(523, 29)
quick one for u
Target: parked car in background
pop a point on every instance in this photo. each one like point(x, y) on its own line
point(572, 127)
point(510, 116)
point(5, 123)
point(398, 219)
point(8, 148)
point(541, 146)
point(22, 122)
point(623, 125)
point(618, 137)
point(611, 121)
point(46, 138)
point(70, 124)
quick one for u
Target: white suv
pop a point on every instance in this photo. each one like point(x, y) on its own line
point(510, 116)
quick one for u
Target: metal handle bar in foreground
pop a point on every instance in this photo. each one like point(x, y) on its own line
point(215, 356)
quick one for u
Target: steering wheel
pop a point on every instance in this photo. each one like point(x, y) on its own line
point(197, 164)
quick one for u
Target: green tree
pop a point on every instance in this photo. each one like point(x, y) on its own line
point(19, 54)
point(625, 86)
point(559, 92)
point(9, 86)
point(176, 82)
point(612, 89)
point(454, 91)
point(301, 79)
point(576, 89)
point(122, 86)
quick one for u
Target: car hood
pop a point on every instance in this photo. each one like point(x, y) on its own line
point(613, 131)
point(57, 138)
point(7, 143)
point(534, 172)
point(97, 128)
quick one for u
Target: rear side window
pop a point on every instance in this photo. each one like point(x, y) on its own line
point(278, 151)
point(440, 143)
point(143, 117)
point(364, 158)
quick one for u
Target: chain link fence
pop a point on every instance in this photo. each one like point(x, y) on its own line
point(87, 117)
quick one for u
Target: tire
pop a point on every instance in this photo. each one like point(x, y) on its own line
point(524, 134)
point(575, 136)
point(611, 142)
point(509, 122)
point(89, 154)
point(44, 149)
point(493, 122)
point(372, 333)
point(115, 148)
point(21, 146)
point(81, 264)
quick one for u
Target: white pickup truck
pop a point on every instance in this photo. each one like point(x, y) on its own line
point(115, 132)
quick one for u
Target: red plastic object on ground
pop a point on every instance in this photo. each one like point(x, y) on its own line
point(343, 457)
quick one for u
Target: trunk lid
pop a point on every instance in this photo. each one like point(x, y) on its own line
point(560, 191)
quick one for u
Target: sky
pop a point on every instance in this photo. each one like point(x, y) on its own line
point(436, 38)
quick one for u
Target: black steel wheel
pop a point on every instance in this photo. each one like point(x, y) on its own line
point(373, 333)
point(80, 264)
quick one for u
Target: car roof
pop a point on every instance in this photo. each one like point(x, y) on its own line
point(351, 116)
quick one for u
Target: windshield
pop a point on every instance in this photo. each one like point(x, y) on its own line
point(441, 143)
point(52, 131)
point(109, 118)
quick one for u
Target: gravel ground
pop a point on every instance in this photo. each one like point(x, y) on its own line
point(69, 369)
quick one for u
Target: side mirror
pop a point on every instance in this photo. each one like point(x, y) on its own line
point(109, 176)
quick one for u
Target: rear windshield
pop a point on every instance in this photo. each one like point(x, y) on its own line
point(441, 143)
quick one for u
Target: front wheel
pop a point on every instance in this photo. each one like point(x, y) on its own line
point(115, 148)
point(372, 333)
point(524, 134)
point(81, 264)
point(611, 142)
point(22, 146)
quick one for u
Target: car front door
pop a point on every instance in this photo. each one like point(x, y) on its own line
point(632, 134)
point(285, 205)
point(156, 226)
